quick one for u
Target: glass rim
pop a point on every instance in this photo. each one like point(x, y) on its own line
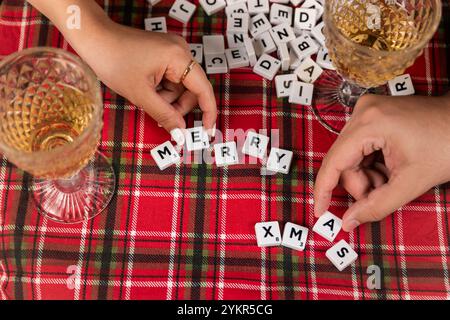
point(418, 46)
point(8, 150)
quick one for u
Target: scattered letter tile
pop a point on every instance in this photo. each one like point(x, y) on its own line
point(328, 226)
point(401, 86)
point(226, 154)
point(341, 255)
point(294, 236)
point(268, 234)
point(165, 155)
point(255, 145)
point(279, 160)
point(196, 139)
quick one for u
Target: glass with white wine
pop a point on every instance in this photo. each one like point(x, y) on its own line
point(50, 125)
point(369, 42)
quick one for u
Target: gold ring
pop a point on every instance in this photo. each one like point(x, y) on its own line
point(188, 69)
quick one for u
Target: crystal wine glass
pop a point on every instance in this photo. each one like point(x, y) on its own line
point(50, 125)
point(370, 42)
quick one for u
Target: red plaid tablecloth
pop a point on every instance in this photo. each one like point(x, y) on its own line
point(188, 232)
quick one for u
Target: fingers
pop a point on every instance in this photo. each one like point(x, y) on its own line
point(174, 93)
point(186, 102)
point(160, 110)
point(327, 179)
point(346, 153)
point(377, 179)
point(381, 167)
point(197, 83)
point(382, 201)
point(170, 91)
point(356, 182)
point(359, 182)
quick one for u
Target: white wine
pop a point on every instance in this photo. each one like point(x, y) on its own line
point(396, 30)
point(369, 43)
point(61, 118)
point(51, 118)
point(48, 117)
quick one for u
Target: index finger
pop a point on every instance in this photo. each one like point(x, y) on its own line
point(347, 152)
point(197, 83)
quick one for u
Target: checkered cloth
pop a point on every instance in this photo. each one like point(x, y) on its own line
point(188, 232)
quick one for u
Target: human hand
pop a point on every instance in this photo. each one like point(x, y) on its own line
point(391, 151)
point(146, 68)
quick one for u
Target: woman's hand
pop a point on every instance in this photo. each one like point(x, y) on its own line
point(144, 67)
point(392, 150)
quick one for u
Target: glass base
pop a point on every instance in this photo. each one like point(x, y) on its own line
point(335, 98)
point(78, 198)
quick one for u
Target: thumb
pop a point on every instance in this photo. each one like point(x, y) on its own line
point(382, 201)
point(161, 111)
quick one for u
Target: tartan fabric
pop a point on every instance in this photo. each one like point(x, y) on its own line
point(188, 232)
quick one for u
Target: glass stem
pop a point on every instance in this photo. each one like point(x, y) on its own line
point(349, 93)
point(72, 184)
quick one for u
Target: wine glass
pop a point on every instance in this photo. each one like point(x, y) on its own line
point(370, 42)
point(50, 125)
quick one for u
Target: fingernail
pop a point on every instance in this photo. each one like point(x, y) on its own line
point(159, 125)
point(317, 212)
point(179, 148)
point(351, 225)
point(178, 136)
point(211, 132)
